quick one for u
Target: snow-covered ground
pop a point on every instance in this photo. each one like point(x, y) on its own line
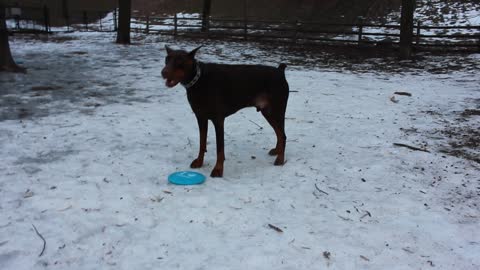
point(90, 133)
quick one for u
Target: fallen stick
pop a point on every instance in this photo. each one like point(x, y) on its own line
point(43, 239)
point(411, 147)
point(366, 214)
point(320, 189)
point(403, 94)
point(256, 124)
point(365, 258)
point(275, 228)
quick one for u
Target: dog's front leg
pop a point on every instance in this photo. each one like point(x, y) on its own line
point(218, 169)
point(203, 128)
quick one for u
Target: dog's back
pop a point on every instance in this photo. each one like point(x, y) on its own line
point(238, 86)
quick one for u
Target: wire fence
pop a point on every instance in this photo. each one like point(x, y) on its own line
point(192, 25)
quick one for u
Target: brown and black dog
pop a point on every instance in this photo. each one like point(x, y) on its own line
point(216, 91)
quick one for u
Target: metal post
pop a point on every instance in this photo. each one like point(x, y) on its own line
point(245, 22)
point(417, 41)
point(65, 14)
point(17, 21)
point(100, 21)
point(175, 23)
point(360, 30)
point(148, 25)
point(85, 20)
point(295, 36)
point(115, 20)
point(245, 28)
point(478, 43)
point(46, 17)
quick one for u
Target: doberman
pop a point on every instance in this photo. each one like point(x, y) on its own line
point(216, 91)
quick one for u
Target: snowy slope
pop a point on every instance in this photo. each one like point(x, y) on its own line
point(86, 162)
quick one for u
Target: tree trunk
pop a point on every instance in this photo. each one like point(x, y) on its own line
point(406, 28)
point(206, 14)
point(6, 59)
point(123, 31)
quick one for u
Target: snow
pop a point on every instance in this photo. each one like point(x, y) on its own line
point(87, 162)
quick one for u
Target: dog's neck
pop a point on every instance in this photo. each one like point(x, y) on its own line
point(194, 76)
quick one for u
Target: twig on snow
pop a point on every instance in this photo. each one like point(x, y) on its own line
point(275, 228)
point(256, 124)
point(403, 94)
point(43, 239)
point(366, 214)
point(411, 147)
point(365, 258)
point(320, 189)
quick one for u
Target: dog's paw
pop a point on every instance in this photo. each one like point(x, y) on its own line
point(279, 161)
point(197, 163)
point(273, 152)
point(216, 172)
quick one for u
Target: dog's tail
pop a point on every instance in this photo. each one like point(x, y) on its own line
point(282, 67)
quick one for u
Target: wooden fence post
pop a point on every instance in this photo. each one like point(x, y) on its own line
point(206, 14)
point(147, 29)
point(46, 17)
point(175, 23)
point(406, 28)
point(417, 38)
point(85, 20)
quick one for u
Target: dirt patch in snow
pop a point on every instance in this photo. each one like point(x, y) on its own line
point(464, 136)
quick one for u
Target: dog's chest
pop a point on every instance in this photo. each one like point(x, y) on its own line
point(199, 102)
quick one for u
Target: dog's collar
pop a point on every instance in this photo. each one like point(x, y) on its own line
point(195, 78)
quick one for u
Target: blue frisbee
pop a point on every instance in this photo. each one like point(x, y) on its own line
point(186, 178)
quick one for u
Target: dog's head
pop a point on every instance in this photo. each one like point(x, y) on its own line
point(178, 65)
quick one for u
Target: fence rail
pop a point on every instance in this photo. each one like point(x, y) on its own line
point(298, 31)
point(465, 36)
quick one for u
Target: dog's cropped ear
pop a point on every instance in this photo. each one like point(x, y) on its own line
point(169, 51)
point(194, 51)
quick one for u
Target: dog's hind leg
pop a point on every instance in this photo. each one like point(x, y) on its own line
point(219, 132)
point(276, 118)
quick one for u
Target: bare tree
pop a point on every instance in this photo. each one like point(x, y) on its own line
point(123, 31)
point(6, 59)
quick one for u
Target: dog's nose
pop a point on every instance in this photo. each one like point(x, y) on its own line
point(164, 73)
